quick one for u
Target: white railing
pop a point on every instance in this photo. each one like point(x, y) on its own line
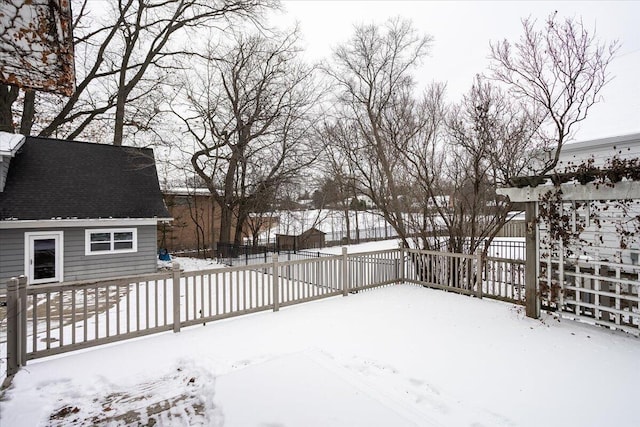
point(44, 320)
point(504, 279)
point(373, 269)
point(444, 270)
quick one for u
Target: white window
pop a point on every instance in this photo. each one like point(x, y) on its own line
point(111, 240)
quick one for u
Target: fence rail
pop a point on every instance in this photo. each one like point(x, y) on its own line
point(45, 320)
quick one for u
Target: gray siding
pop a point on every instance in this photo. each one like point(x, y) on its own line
point(78, 266)
point(11, 255)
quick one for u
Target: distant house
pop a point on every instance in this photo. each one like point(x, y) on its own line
point(196, 221)
point(312, 238)
point(76, 211)
point(602, 221)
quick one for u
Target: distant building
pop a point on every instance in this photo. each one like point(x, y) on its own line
point(310, 239)
point(196, 220)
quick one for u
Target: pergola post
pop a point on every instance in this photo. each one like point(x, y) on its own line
point(531, 276)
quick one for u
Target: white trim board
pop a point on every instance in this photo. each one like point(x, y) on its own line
point(60, 223)
point(591, 191)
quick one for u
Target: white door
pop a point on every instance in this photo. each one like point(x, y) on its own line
point(43, 257)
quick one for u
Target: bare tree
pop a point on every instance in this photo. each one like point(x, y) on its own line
point(36, 45)
point(560, 68)
point(339, 182)
point(375, 120)
point(489, 140)
point(123, 57)
point(249, 116)
point(429, 168)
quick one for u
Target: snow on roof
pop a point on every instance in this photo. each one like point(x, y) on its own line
point(36, 45)
point(10, 143)
point(185, 191)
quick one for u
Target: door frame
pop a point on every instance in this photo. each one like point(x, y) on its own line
point(29, 238)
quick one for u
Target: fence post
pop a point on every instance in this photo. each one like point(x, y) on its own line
point(479, 268)
point(531, 288)
point(345, 275)
point(276, 284)
point(176, 296)
point(13, 327)
point(22, 295)
point(402, 273)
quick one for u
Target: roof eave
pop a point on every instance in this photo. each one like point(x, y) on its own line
point(75, 222)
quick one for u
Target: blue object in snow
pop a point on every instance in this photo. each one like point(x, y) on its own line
point(163, 255)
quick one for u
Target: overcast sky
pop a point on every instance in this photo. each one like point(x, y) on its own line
point(462, 31)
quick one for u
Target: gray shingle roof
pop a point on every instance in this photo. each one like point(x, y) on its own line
point(51, 178)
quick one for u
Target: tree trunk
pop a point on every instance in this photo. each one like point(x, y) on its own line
point(225, 224)
point(347, 222)
point(212, 227)
point(8, 95)
point(119, 119)
point(28, 112)
point(237, 239)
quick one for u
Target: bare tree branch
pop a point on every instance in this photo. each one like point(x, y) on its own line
point(560, 69)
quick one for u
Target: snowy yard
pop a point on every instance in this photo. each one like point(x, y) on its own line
point(395, 356)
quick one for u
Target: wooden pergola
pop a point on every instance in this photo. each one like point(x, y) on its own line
point(531, 196)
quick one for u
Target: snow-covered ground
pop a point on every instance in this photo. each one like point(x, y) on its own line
point(363, 247)
point(396, 356)
point(191, 264)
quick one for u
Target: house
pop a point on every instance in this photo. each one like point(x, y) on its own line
point(196, 220)
point(312, 238)
point(608, 228)
point(76, 211)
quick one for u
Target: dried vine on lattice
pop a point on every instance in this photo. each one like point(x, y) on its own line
point(565, 228)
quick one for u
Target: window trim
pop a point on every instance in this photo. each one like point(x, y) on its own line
point(111, 231)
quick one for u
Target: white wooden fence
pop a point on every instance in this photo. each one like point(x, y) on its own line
point(44, 320)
